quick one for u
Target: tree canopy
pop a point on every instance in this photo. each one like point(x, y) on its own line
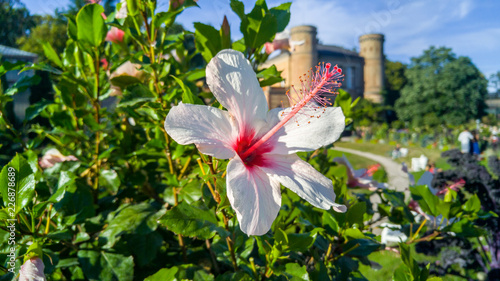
point(47, 29)
point(395, 80)
point(16, 21)
point(442, 88)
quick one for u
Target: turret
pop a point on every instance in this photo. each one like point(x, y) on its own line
point(305, 54)
point(372, 50)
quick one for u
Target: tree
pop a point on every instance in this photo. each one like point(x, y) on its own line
point(442, 89)
point(395, 80)
point(47, 29)
point(495, 83)
point(16, 21)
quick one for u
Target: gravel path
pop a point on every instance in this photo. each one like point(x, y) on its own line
point(397, 179)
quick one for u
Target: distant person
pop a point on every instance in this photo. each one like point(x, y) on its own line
point(465, 138)
point(431, 167)
point(476, 151)
point(396, 153)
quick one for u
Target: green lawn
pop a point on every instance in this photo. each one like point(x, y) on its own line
point(390, 261)
point(357, 162)
point(383, 149)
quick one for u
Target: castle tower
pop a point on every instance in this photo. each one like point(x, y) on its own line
point(372, 50)
point(304, 56)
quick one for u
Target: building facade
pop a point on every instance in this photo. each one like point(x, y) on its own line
point(364, 71)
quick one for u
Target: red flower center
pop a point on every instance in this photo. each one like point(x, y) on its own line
point(256, 158)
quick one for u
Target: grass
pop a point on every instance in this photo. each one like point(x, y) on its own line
point(384, 149)
point(389, 262)
point(357, 162)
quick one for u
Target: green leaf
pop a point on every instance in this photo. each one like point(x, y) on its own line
point(265, 31)
point(435, 279)
point(39, 208)
point(145, 247)
point(234, 276)
point(282, 15)
point(165, 274)
point(130, 219)
point(66, 181)
point(23, 84)
point(473, 205)
point(110, 180)
point(330, 223)
point(4, 214)
point(72, 29)
point(187, 95)
point(353, 233)
point(366, 247)
point(18, 184)
point(300, 242)
point(101, 265)
point(296, 272)
point(208, 40)
point(35, 109)
point(269, 76)
point(405, 254)
point(133, 7)
point(192, 220)
point(76, 204)
point(124, 80)
point(426, 200)
point(402, 273)
point(90, 24)
point(355, 214)
point(444, 208)
point(136, 94)
point(280, 238)
point(6, 66)
point(464, 228)
point(239, 8)
point(51, 54)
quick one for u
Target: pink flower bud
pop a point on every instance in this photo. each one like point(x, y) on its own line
point(225, 27)
point(53, 156)
point(32, 270)
point(115, 35)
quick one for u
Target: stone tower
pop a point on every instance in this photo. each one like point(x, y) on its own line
point(305, 54)
point(372, 50)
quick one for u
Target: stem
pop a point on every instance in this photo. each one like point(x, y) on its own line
point(184, 168)
point(329, 251)
point(418, 230)
point(230, 244)
point(25, 221)
point(289, 116)
point(97, 108)
point(212, 256)
point(48, 220)
point(179, 236)
point(216, 196)
point(346, 252)
point(484, 255)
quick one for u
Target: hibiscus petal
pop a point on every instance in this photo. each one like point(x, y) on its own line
point(234, 84)
point(306, 133)
point(207, 127)
point(32, 270)
point(254, 196)
point(301, 178)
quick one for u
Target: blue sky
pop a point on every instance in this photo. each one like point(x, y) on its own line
point(470, 28)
